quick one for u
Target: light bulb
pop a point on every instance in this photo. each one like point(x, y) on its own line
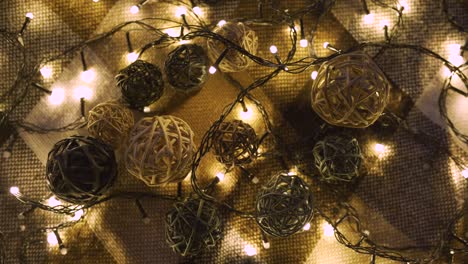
point(30, 15)
point(52, 239)
point(14, 190)
point(250, 250)
point(314, 75)
point(172, 32)
point(266, 245)
point(221, 23)
point(404, 4)
point(197, 10)
point(52, 201)
point(384, 22)
point(273, 49)
point(181, 11)
point(456, 60)
point(134, 9)
point(328, 230)
point(132, 57)
point(88, 76)
point(63, 251)
point(220, 176)
point(82, 92)
point(464, 173)
point(306, 227)
point(379, 148)
point(46, 72)
point(146, 109)
point(78, 214)
point(246, 115)
point(95, 1)
point(369, 18)
point(304, 43)
point(57, 96)
point(212, 70)
point(325, 44)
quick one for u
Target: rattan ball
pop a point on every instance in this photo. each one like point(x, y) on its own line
point(110, 122)
point(338, 159)
point(240, 35)
point(160, 150)
point(141, 84)
point(192, 226)
point(235, 143)
point(350, 91)
point(186, 67)
point(80, 169)
point(284, 205)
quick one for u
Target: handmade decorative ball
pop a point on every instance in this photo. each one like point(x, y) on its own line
point(350, 91)
point(338, 158)
point(192, 226)
point(284, 205)
point(80, 169)
point(240, 35)
point(186, 67)
point(110, 122)
point(235, 143)
point(160, 150)
point(141, 84)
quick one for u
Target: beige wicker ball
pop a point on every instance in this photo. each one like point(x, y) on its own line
point(239, 34)
point(160, 150)
point(110, 122)
point(350, 91)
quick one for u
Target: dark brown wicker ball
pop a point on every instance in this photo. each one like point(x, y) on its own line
point(192, 226)
point(284, 205)
point(186, 67)
point(80, 169)
point(235, 143)
point(141, 84)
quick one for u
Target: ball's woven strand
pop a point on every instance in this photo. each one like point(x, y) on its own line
point(239, 34)
point(192, 226)
point(235, 143)
point(186, 67)
point(338, 159)
point(141, 84)
point(160, 150)
point(80, 169)
point(284, 205)
point(350, 91)
point(110, 122)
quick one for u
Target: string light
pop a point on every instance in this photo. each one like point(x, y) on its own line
point(57, 97)
point(77, 216)
point(250, 250)
point(134, 9)
point(221, 23)
point(328, 230)
point(88, 76)
point(314, 75)
point(180, 11)
point(27, 20)
point(306, 227)
point(95, 1)
point(172, 32)
point(15, 191)
point(30, 15)
point(52, 239)
point(46, 72)
point(82, 92)
point(213, 69)
point(403, 4)
point(246, 115)
point(197, 10)
point(266, 244)
point(146, 109)
point(220, 176)
point(369, 18)
point(456, 60)
point(53, 202)
point(327, 45)
point(384, 22)
point(132, 57)
point(273, 49)
point(464, 173)
point(304, 43)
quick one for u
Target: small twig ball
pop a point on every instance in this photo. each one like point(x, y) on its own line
point(160, 150)
point(284, 205)
point(350, 91)
point(240, 35)
point(80, 169)
point(186, 67)
point(110, 122)
point(141, 84)
point(235, 143)
point(338, 158)
point(192, 226)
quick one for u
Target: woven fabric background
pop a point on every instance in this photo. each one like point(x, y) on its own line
point(403, 202)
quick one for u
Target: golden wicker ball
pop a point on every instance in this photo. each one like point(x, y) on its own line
point(110, 122)
point(239, 34)
point(350, 91)
point(160, 150)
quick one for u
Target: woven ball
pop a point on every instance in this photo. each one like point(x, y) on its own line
point(242, 36)
point(338, 158)
point(284, 205)
point(80, 169)
point(192, 226)
point(110, 122)
point(350, 91)
point(141, 84)
point(186, 67)
point(160, 150)
point(235, 143)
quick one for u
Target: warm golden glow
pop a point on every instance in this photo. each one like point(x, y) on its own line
point(52, 239)
point(328, 230)
point(52, 201)
point(250, 250)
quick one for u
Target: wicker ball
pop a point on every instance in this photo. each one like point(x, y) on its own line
point(80, 169)
point(110, 122)
point(141, 84)
point(186, 67)
point(284, 205)
point(235, 143)
point(242, 36)
point(192, 226)
point(160, 150)
point(350, 91)
point(338, 158)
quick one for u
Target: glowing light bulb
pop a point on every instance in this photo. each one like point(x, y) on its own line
point(306, 227)
point(454, 49)
point(221, 23)
point(220, 176)
point(46, 72)
point(64, 251)
point(383, 23)
point(14, 190)
point(456, 60)
point(379, 148)
point(404, 4)
point(314, 75)
point(250, 250)
point(52, 239)
point(266, 245)
point(246, 115)
point(30, 15)
point(134, 9)
point(181, 11)
point(304, 43)
point(52, 201)
point(464, 173)
point(369, 18)
point(146, 109)
point(173, 32)
point(57, 96)
point(88, 76)
point(328, 230)
point(132, 57)
point(273, 49)
point(212, 70)
point(78, 214)
point(325, 44)
point(95, 1)
point(292, 173)
point(197, 10)
point(82, 92)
